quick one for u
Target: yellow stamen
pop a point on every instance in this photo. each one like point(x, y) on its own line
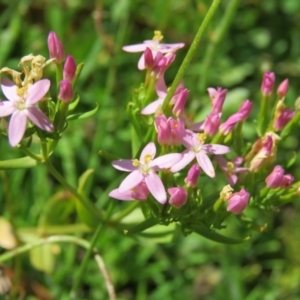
point(201, 137)
point(147, 158)
point(230, 167)
point(157, 36)
point(135, 163)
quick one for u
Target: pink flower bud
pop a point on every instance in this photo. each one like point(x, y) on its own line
point(56, 48)
point(274, 180)
point(177, 130)
point(217, 97)
point(69, 68)
point(66, 91)
point(284, 117)
point(211, 123)
point(262, 155)
point(245, 109)
point(162, 126)
point(180, 100)
point(287, 181)
point(283, 88)
point(238, 201)
point(178, 196)
point(228, 125)
point(267, 83)
point(148, 57)
point(192, 176)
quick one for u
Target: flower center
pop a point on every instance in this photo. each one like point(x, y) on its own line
point(156, 39)
point(226, 192)
point(230, 167)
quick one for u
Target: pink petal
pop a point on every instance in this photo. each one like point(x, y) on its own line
point(156, 187)
point(6, 108)
point(135, 48)
point(231, 179)
point(124, 165)
point(141, 63)
point(166, 161)
point(205, 163)
point(216, 149)
point(37, 91)
point(9, 90)
point(150, 149)
point(152, 107)
point(187, 157)
point(165, 48)
point(17, 127)
point(238, 160)
point(131, 181)
point(39, 118)
point(127, 195)
point(188, 139)
point(161, 88)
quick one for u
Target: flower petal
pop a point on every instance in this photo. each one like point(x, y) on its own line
point(165, 48)
point(161, 88)
point(187, 157)
point(124, 165)
point(135, 48)
point(205, 163)
point(141, 63)
point(127, 195)
point(6, 108)
point(17, 126)
point(152, 107)
point(166, 161)
point(37, 91)
point(9, 90)
point(131, 181)
point(39, 118)
point(156, 187)
point(150, 149)
point(216, 149)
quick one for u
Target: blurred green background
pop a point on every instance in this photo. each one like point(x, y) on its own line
point(244, 39)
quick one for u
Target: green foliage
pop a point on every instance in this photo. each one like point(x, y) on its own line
point(262, 35)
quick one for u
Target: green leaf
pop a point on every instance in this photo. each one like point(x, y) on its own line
point(142, 226)
point(214, 236)
point(42, 258)
point(83, 115)
point(18, 163)
point(85, 181)
point(74, 103)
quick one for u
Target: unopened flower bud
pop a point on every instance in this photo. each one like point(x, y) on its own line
point(267, 83)
point(178, 196)
point(162, 126)
point(245, 109)
point(211, 123)
point(275, 178)
point(217, 97)
point(69, 68)
point(180, 100)
point(283, 88)
point(66, 91)
point(283, 118)
point(287, 181)
point(237, 202)
point(192, 176)
point(56, 48)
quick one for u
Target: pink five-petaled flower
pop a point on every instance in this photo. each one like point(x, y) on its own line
point(20, 106)
point(154, 45)
point(144, 170)
point(237, 202)
point(230, 168)
point(197, 149)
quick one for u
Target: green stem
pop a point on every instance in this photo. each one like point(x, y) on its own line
point(85, 202)
point(191, 52)
point(218, 37)
point(29, 153)
point(89, 252)
point(65, 239)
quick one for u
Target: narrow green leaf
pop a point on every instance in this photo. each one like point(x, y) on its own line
point(142, 226)
point(18, 163)
point(83, 115)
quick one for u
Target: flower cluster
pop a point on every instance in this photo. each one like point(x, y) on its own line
point(195, 151)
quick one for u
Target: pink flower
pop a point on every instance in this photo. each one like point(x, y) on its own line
point(155, 46)
point(283, 88)
point(161, 90)
point(197, 149)
point(277, 178)
point(65, 91)
point(192, 176)
point(230, 168)
point(56, 48)
point(178, 196)
point(217, 97)
point(267, 83)
point(20, 105)
point(140, 192)
point(69, 70)
point(211, 123)
point(237, 202)
point(145, 170)
point(284, 116)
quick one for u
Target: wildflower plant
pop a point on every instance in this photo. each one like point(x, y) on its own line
point(175, 156)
